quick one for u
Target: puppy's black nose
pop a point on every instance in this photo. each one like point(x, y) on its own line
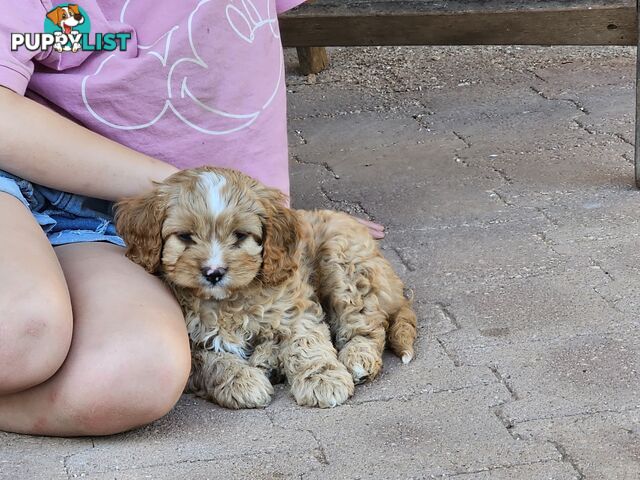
point(78, 17)
point(214, 276)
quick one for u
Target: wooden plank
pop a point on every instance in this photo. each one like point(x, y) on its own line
point(472, 22)
point(383, 7)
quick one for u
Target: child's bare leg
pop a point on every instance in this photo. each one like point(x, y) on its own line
point(129, 359)
point(228, 380)
point(35, 309)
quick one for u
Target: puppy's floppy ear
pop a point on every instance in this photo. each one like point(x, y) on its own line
point(55, 15)
point(281, 238)
point(74, 9)
point(139, 221)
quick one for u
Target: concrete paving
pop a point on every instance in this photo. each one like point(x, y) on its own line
point(504, 177)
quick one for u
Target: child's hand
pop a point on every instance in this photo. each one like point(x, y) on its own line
point(376, 230)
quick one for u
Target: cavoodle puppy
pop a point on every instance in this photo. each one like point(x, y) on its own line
point(255, 279)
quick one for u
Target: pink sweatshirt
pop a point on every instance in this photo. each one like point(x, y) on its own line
point(200, 82)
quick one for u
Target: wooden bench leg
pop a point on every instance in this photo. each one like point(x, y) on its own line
point(312, 59)
point(637, 145)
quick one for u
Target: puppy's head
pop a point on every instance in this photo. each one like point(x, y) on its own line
point(213, 231)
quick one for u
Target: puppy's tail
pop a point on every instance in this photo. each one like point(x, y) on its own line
point(402, 332)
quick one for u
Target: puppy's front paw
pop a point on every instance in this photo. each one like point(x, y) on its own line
point(326, 387)
point(246, 388)
point(362, 360)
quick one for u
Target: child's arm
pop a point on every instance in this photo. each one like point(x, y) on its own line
point(39, 145)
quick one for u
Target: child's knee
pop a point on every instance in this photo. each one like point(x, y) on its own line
point(135, 389)
point(35, 340)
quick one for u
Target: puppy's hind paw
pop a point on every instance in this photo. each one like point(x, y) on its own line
point(246, 388)
point(325, 387)
point(362, 360)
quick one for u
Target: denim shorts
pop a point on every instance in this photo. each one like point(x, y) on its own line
point(64, 217)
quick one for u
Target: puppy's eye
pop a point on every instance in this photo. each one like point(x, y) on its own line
point(186, 237)
point(240, 237)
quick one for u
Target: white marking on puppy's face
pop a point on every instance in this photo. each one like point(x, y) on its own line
point(212, 184)
point(215, 259)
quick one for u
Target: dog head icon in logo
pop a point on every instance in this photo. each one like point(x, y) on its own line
point(67, 22)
